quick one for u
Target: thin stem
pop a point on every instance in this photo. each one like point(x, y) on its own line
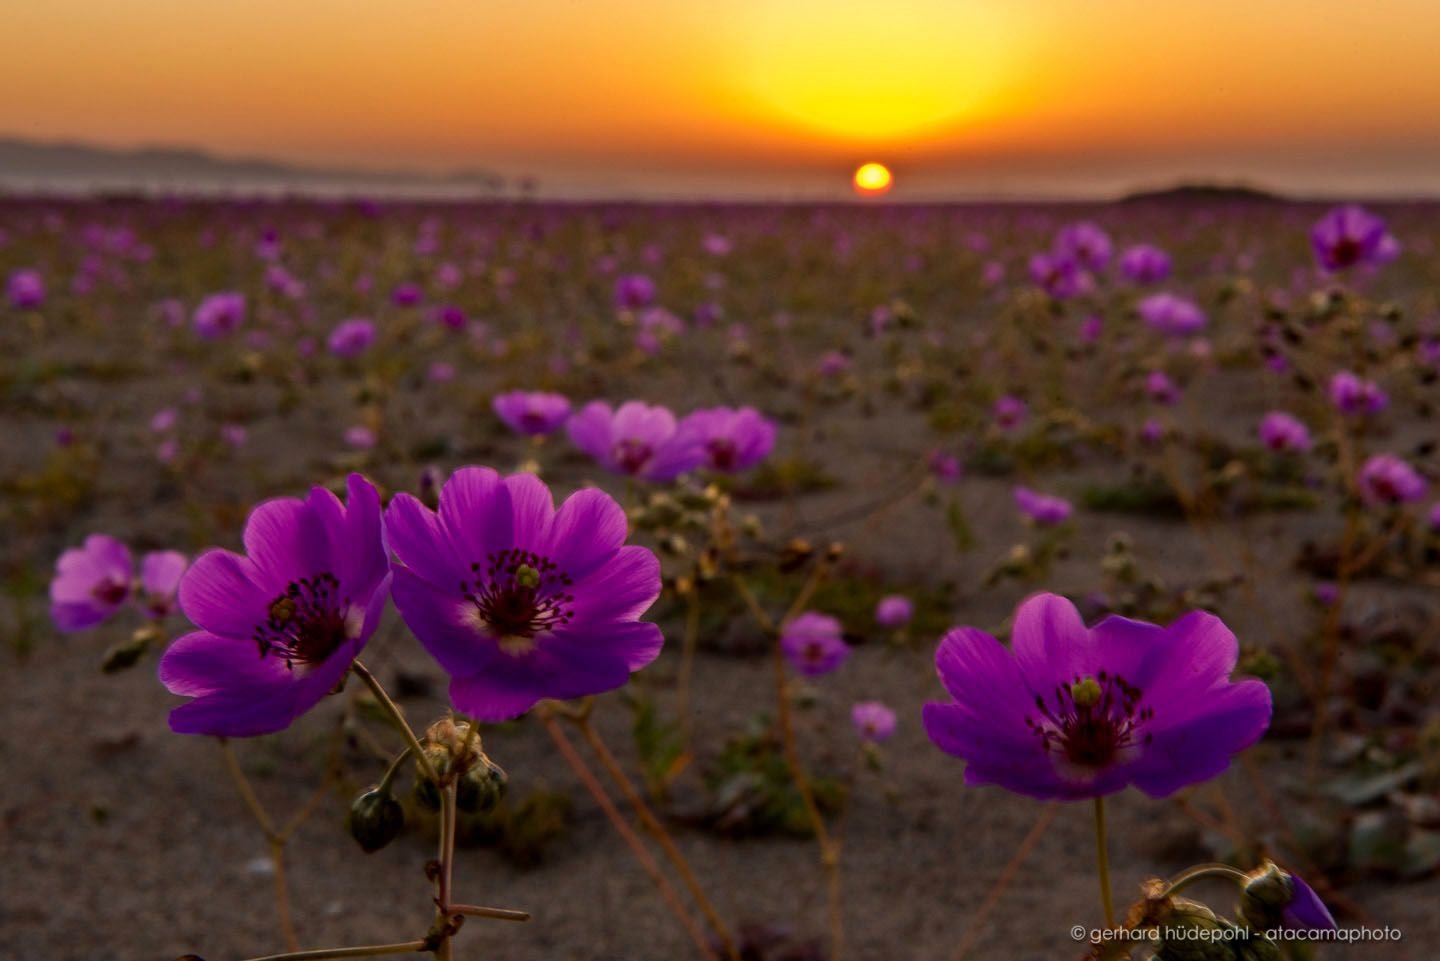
point(657, 829)
point(1199, 873)
point(363, 951)
point(398, 717)
point(688, 646)
point(282, 893)
point(274, 839)
point(1003, 882)
point(444, 875)
point(498, 914)
point(1102, 863)
point(247, 793)
point(632, 840)
point(829, 851)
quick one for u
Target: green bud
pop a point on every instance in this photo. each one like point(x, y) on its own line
point(1265, 895)
point(375, 820)
point(481, 788)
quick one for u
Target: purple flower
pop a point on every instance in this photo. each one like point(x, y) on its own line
point(235, 435)
point(833, 363)
point(406, 295)
point(1171, 315)
point(1353, 394)
point(1160, 388)
point(1386, 479)
point(441, 372)
point(813, 644)
point(1085, 244)
point(531, 411)
point(279, 626)
point(163, 420)
point(1348, 236)
point(943, 466)
point(91, 583)
point(1305, 911)
point(1009, 412)
point(360, 437)
point(1060, 276)
point(218, 315)
point(730, 440)
point(1145, 264)
point(633, 291)
point(351, 338)
point(519, 601)
point(637, 440)
point(1073, 713)
point(1152, 432)
point(894, 610)
point(873, 721)
point(25, 289)
point(160, 573)
point(1043, 509)
point(1281, 432)
point(1433, 518)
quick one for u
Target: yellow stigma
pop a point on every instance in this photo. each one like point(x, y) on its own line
point(1085, 693)
point(527, 576)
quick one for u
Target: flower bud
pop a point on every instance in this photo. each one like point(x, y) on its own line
point(481, 788)
point(375, 819)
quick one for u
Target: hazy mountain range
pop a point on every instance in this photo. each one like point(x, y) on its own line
point(30, 164)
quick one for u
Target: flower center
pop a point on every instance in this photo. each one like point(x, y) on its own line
point(518, 595)
point(1092, 722)
point(1345, 251)
point(110, 591)
point(533, 419)
point(631, 455)
point(722, 453)
point(307, 623)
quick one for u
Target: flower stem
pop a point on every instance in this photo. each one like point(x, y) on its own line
point(444, 875)
point(1007, 876)
point(1102, 863)
point(498, 914)
point(273, 838)
point(627, 833)
point(652, 824)
point(398, 716)
point(829, 850)
point(362, 951)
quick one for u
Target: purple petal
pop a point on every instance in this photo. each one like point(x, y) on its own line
point(586, 532)
point(532, 509)
point(219, 594)
point(1050, 642)
point(1222, 722)
point(621, 590)
point(442, 622)
point(475, 509)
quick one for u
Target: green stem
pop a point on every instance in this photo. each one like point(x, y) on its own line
point(1102, 863)
point(363, 951)
point(398, 716)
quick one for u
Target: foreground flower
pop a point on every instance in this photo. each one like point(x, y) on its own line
point(1387, 479)
point(519, 601)
point(873, 721)
point(813, 644)
point(729, 440)
point(1281, 432)
point(91, 583)
point(1073, 713)
point(280, 626)
point(637, 439)
point(532, 412)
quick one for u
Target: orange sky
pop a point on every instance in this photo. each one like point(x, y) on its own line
point(960, 97)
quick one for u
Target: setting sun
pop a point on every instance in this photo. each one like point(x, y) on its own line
point(872, 180)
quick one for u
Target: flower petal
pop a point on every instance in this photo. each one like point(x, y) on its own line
point(438, 619)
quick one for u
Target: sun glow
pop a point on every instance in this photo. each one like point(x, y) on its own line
point(872, 180)
point(850, 73)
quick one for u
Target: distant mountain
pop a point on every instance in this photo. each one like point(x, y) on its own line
point(1207, 194)
point(80, 164)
